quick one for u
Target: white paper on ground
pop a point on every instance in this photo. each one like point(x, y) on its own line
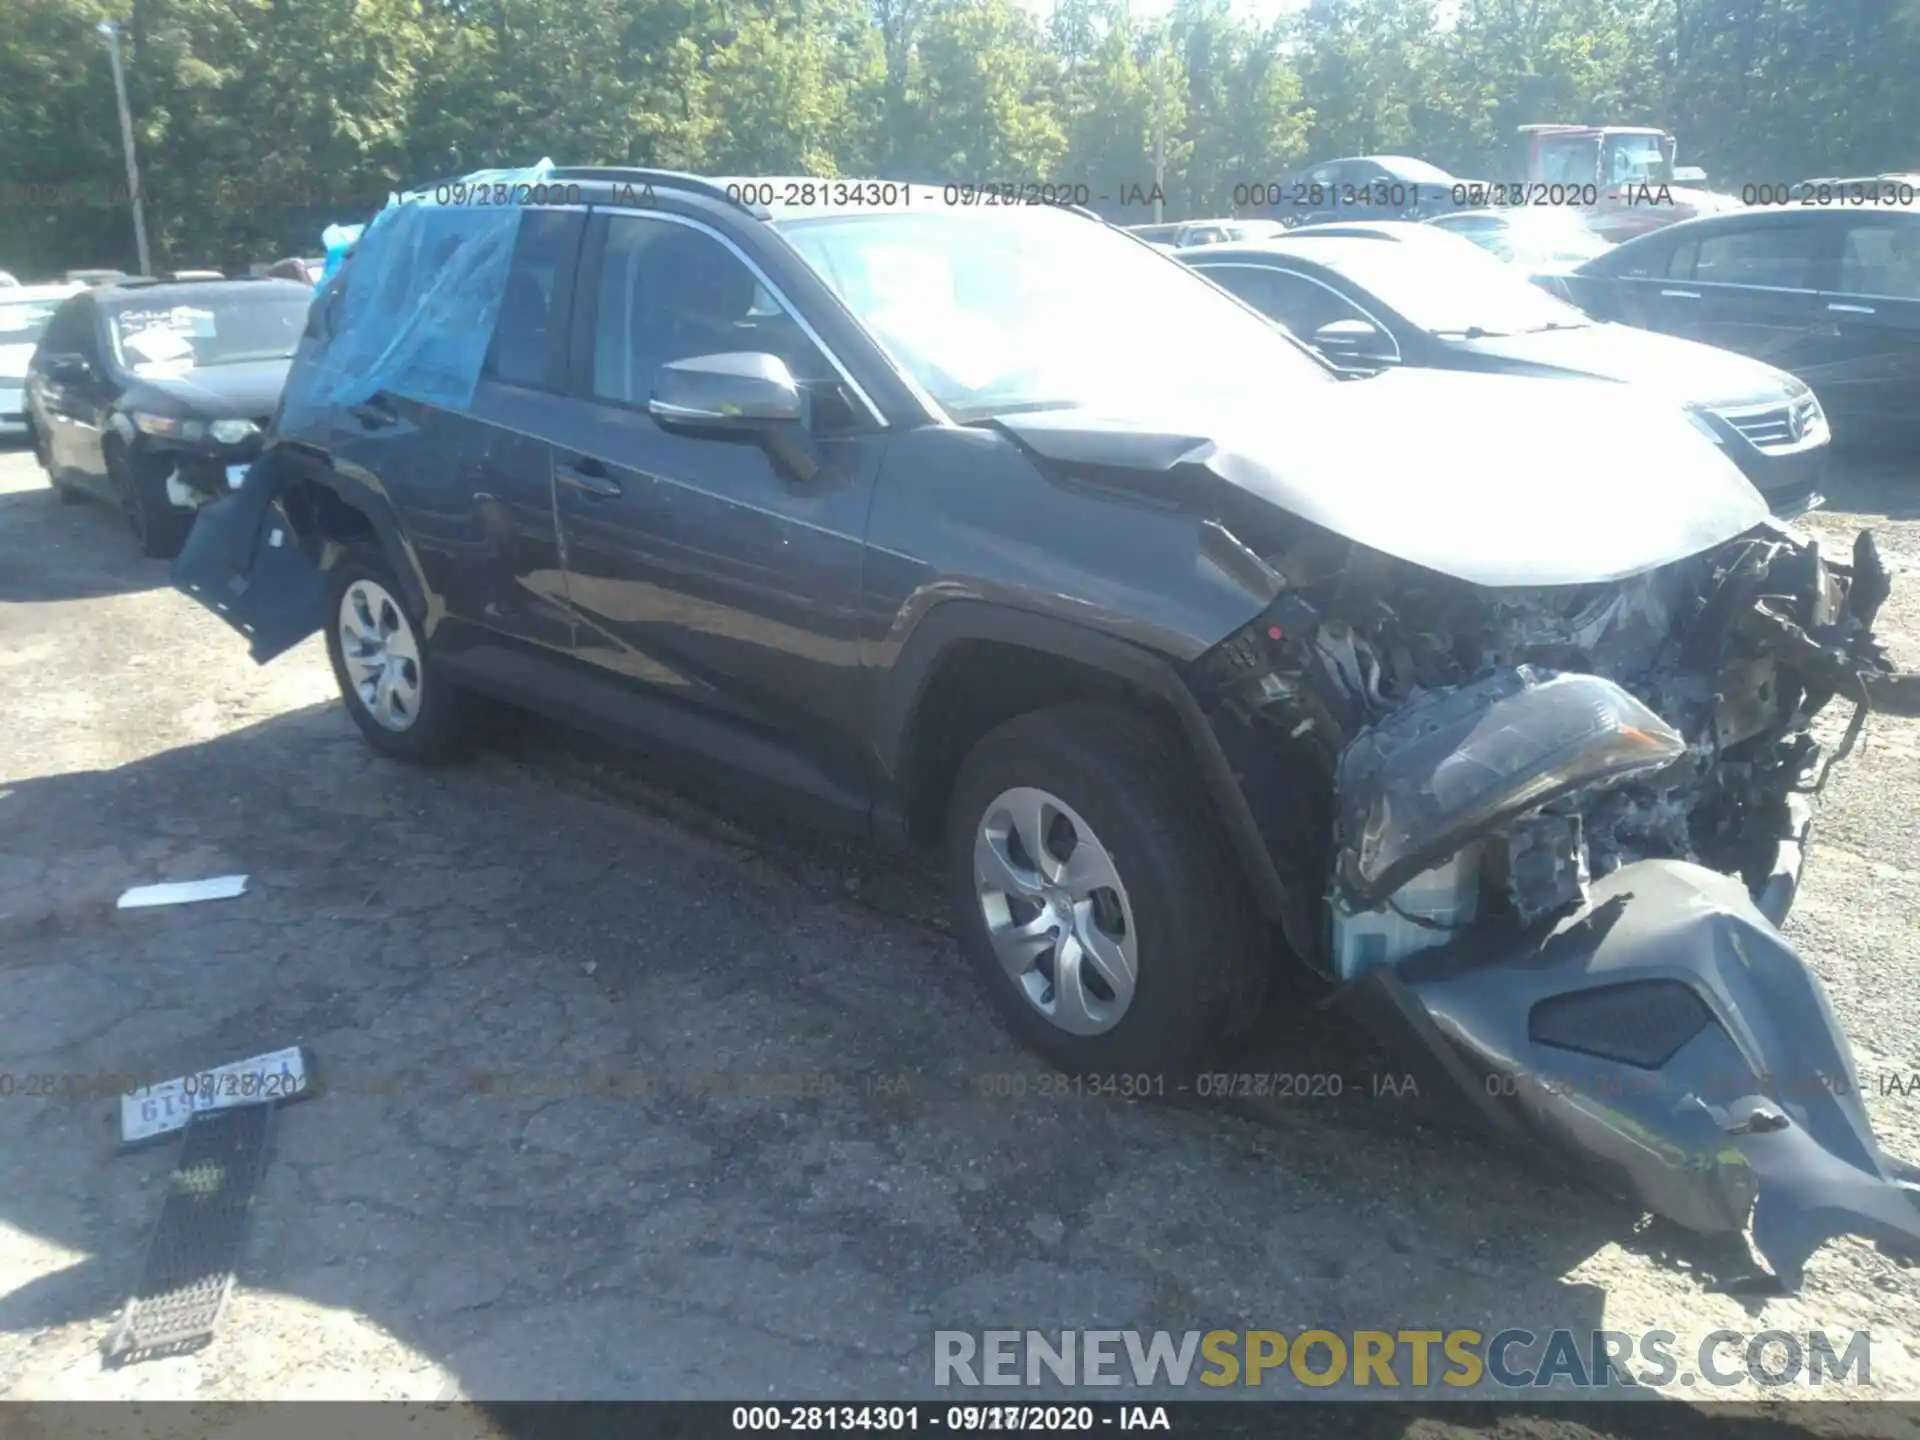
point(184, 892)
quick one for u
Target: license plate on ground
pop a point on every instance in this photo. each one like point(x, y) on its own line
point(161, 1109)
point(237, 476)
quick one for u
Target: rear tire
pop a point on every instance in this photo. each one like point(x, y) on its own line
point(388, 678)
point(1176, 913)
point(157, 526)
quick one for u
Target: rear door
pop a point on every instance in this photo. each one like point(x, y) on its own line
point(472, 489)
point(48, 399)
point(514, 584)
point(1870, 369)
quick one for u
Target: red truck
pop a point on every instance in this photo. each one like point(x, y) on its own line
point(1623, 177)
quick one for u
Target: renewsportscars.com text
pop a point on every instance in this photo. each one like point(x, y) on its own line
point(1401, 1359)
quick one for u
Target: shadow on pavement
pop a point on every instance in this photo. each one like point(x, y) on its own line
point(617, 1110)
point(67, 552)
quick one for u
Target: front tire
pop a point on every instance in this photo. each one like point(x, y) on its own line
point(389, 681)
point(1098, 897)
point(157, 526)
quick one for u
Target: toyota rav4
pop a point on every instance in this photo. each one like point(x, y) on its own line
point(994, 530)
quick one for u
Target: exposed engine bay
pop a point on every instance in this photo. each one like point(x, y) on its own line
point(1486, 754)
point(1543, 840)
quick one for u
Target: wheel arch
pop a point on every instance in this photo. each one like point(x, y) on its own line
point(329, 510)
point(928, 720)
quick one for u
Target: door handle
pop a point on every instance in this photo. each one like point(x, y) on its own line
point(375, 414)
point(589, 478)
point(1851, 310)
point(1681, 294)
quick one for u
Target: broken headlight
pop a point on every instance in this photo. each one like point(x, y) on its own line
point(1452, 766)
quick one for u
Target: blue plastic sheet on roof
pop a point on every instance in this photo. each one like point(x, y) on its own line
point(412, 310)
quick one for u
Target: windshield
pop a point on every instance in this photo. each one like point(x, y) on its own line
point(22, 321)
point(1544, 235)
point(227, 329)
point(1569, 161)
point(1636, 160)
point(1033, 308)
point(1447, 287)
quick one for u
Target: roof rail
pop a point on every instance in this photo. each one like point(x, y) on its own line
point(639, 174)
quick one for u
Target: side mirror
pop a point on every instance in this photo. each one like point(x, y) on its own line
point(743, 394)
point(741, 391)
point(69, 369)
point(1352, 340)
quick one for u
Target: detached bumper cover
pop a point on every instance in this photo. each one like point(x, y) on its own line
point(1666, 1037)
point(242, 562)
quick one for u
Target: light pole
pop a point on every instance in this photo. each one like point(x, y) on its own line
point(1159, 131)
point(109, 30)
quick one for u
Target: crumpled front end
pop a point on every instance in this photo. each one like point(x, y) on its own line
point(1554, 830)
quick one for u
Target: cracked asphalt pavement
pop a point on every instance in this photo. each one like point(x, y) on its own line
point(632, 1094)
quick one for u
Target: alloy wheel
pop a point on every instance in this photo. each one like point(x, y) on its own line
point(1057, 914)
point(381, 654)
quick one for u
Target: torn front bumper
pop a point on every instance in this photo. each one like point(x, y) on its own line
point(242, 561)
point(1666, 1037)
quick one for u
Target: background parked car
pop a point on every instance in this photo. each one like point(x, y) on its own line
point(1831, 294)
point(1362, 187)
point(1206, 232)
point(153, 394)
point(7, 280)
point(1372, 296)
point(306, 271)
point(1540, 240)
point(96, 277)
point(24, 313)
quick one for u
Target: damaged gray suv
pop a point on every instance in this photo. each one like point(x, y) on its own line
point(992, 529)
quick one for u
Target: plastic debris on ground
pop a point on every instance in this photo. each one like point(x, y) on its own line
point(183, 892)
point(411, 312)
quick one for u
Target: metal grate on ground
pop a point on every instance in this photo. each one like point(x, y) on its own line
point(196, 1244)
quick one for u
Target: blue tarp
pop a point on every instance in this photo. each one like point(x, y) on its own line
point(422, 289)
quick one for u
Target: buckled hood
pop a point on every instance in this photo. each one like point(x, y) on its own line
point(1497, 480)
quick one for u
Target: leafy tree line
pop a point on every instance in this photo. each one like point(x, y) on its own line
point(260, 121)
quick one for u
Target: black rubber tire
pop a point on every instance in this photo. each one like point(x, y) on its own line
point(158, 528)
point(1205, 952)
point(443, 725)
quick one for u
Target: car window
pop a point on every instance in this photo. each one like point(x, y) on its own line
point(163, 334)
point(1304, 305)
point(1881, 258)
point(1324, 175)
point(1778, 256)
point(1009, 308)
point(527, 334)
point(1249, 282)
point(1205, 235)
point(669, 292)
point(70, 332)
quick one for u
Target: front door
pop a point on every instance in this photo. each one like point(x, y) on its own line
point(704, 573)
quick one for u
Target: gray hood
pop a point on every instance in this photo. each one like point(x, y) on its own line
point(1493, 479)
point(1688, 372)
